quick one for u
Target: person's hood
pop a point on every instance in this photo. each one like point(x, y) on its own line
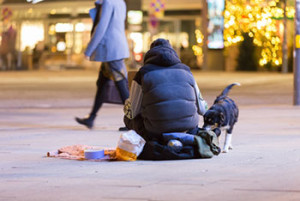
point(161, 53)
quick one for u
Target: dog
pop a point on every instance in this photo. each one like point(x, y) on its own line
point(223, 114)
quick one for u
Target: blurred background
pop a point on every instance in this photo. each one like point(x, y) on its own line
point(224, 35)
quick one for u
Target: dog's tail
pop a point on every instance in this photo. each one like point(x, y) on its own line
point(227, 89)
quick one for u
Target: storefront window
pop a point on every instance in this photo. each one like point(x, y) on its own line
point(215, 24)
point(69, 37)
point(31, 34)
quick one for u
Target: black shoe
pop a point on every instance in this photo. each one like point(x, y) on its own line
point(88, 121)
point(123, 129)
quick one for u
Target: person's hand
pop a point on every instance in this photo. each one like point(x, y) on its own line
point(87, 57)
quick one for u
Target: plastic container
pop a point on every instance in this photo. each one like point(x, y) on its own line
point(93, 154)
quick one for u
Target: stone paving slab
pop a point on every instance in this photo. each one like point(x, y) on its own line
point(39, 117)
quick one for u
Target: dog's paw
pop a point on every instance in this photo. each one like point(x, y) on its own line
point(225, 150)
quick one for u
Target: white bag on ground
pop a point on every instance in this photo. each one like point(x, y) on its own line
point(130, 146)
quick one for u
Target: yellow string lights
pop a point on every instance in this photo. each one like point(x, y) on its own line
point(259, 19)
point(198, 48)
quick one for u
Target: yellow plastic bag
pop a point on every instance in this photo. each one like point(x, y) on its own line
point(130, 146)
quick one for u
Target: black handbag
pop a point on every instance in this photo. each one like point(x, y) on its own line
point(112, 94)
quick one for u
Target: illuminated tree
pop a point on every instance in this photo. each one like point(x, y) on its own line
point(259, 19)
point(247, 61)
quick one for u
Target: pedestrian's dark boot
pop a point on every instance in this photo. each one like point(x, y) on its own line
point(87, 121)
point(124, 128)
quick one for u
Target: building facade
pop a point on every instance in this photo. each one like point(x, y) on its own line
point(62, 28)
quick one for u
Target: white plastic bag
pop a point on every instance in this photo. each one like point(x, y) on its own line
point(130, 146)
point(202, 104)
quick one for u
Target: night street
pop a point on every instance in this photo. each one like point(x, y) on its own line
point(37, 110)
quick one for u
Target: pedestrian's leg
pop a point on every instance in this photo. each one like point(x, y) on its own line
point(99, 97)
point(119, 73)
point(98, 101)
point(122, 87)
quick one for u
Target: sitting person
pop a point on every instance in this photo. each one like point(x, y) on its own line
point(164, 95)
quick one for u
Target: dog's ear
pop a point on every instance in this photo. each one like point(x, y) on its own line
point(222, 117)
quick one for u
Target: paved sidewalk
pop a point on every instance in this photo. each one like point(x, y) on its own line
point(37, 112)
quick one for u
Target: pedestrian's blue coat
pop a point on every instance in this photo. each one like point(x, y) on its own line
point(108, 41)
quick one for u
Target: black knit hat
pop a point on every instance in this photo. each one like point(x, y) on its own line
point(160, 42)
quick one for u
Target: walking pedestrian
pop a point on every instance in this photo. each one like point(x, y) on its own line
point(108, 44)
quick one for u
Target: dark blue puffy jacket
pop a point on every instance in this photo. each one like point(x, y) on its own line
point(169, 99)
